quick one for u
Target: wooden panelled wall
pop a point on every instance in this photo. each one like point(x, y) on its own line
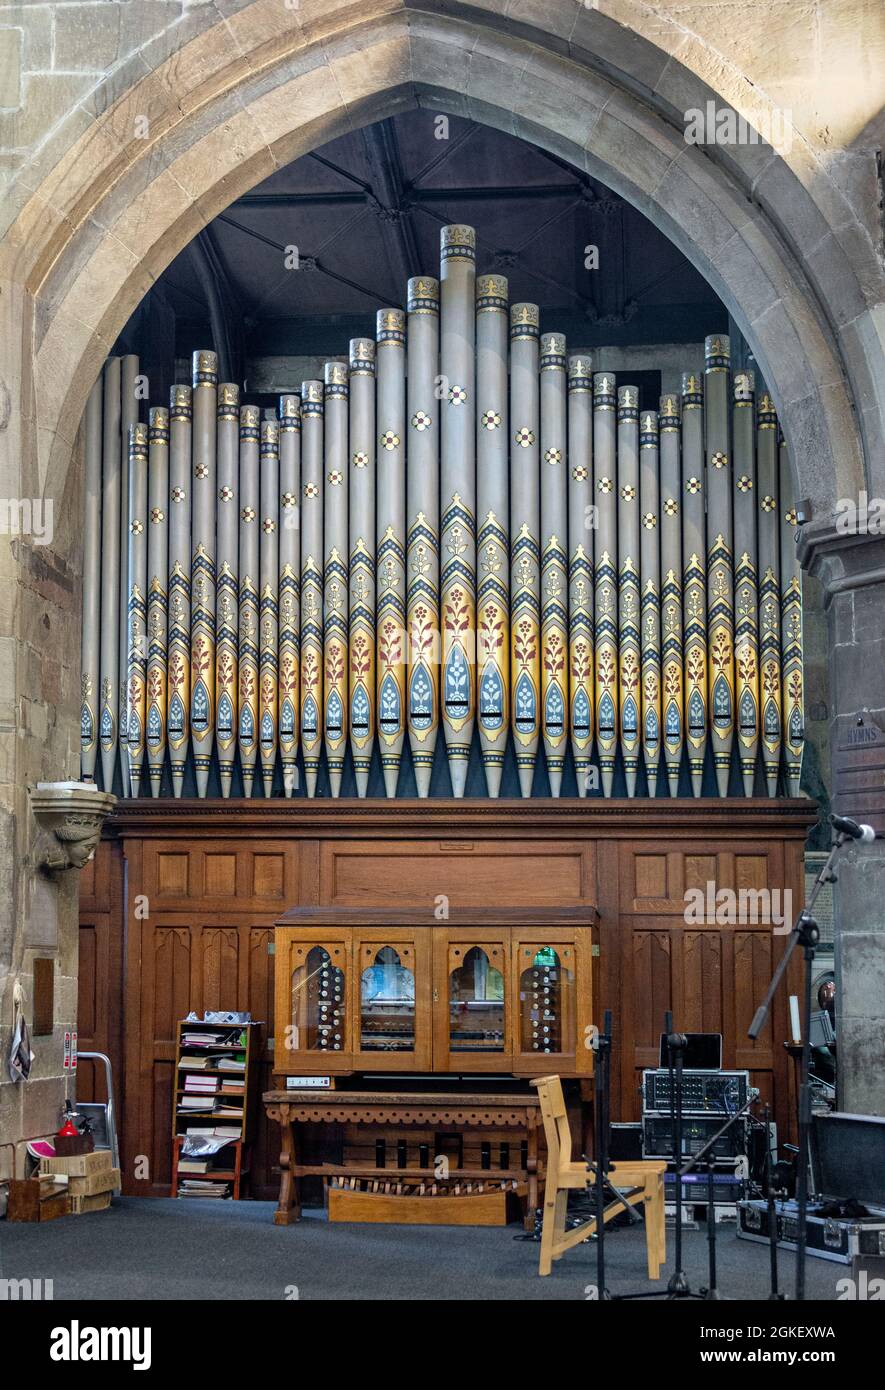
point(177, 913)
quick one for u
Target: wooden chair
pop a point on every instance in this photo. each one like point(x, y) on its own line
point(641, 1180)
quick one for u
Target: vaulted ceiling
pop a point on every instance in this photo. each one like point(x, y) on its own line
point(364, 213)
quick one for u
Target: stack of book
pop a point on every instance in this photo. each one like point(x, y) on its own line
point(215, 1072)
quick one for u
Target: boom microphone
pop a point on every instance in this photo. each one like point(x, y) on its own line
point(865, 833)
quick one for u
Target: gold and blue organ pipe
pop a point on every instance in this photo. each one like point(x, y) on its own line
point(792, 694)
point(629, 663)
point(616, 586)
point(554, 542)
point(290, 585)
point(157, 594)
point(268, 607)
point(226, 647)
point(606, 574)
point(335, 574)
point(361, 642)
point(672, 673)
point(650, 600)
point(493, 539)
point(312, 497)
point(205, 392)
point(525, 528)
point(694, 589)
point(422, 527)
point(746, 578)
point(137, 603)
point(457, 382)
point(720, 547)
point(178, 701)
point(390, 550)
point(249, 580)
point(129, 409)
point(581, 514)
point(768, 492)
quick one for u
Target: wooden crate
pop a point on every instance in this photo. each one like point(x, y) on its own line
point(35, 1199)
point(79, 1206)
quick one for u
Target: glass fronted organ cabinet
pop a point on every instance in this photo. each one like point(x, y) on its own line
point(503, 992)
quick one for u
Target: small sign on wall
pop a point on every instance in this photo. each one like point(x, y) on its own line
point(70, 1057)
point(308, 1083)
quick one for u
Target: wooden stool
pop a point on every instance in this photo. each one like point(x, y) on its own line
point(640, 1181)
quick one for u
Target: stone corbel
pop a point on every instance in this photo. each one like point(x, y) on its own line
point(69, 816)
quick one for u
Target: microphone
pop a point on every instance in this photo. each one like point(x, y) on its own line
point(865, 833)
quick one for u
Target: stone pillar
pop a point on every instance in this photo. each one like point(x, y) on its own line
point(851, 568)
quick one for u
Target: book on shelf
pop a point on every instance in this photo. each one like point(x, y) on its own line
point(214, 1132)
point(232, 1064)
point(194, 1187)
point(193, 1165)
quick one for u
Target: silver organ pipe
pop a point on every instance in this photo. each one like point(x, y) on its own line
point(461, 527)
point(422, 527)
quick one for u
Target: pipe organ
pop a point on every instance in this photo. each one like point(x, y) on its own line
point(462, 528)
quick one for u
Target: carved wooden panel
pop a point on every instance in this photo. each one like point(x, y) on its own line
point(469, 873)
point(216, 877)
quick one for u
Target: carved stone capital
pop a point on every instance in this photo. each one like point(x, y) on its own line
point(69, 816)
point(840, 559)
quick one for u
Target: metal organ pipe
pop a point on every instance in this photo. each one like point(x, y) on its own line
point(461, 527)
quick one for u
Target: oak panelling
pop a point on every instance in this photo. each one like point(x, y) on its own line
point(216, 875)
point(468, 873)
point(100, 974)
point(220, 875)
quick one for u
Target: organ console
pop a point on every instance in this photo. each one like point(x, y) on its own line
point(461, 527)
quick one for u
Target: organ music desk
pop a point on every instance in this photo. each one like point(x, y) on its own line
point(427, 1032)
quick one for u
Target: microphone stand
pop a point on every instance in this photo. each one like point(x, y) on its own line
point(806, 934)
point(678, 1287)
point(603, 1057)
point(775, 1295)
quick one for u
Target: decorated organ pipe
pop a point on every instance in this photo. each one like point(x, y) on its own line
point(114, 618)
point(629, 662)
point(422, 527)
point(650, 600)
point(580, 566)
point(268, 606)
point(792, 699)
point(390, 549)
point(525, 527)
point(157, 595)
point(311, 692)
point(493, 539)
point(669, 428)
point(694, 589)
point(554, 541)
point(179, 659)
point(249, 587)
point(290, 585)
point(720, 556)
point(89, 651)
point(136, 600)
point(129, 406)
point(746, 580)
point(286, 583)
point(226, 653)
point(769, 589)
point(606, 575)
point(457, 495)
point(361, 639)
point(205, 383)
point(335, 574)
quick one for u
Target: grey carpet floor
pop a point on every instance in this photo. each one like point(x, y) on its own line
point(166, 1249)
